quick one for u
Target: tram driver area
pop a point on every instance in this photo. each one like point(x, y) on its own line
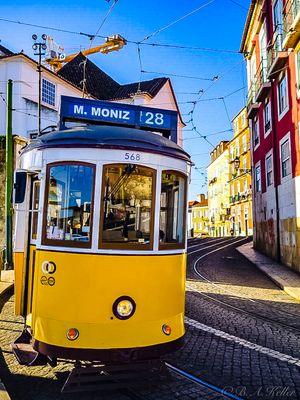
point(127, 204)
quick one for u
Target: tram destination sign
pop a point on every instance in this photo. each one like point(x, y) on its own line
point(84, 110)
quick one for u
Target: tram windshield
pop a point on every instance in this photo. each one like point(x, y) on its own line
point(127, 218)
point(69, 204)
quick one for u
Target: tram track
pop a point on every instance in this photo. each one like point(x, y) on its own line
point(207, 389)
point(253, 314)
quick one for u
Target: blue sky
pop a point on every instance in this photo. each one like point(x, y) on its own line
point(217, 26)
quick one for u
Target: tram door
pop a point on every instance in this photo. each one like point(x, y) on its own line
point(31, 249)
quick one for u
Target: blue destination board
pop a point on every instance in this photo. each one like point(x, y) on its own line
point(77, 109)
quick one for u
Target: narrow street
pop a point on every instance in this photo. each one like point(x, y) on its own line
point(242, 336)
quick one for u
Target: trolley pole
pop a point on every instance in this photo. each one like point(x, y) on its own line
point(9, 179)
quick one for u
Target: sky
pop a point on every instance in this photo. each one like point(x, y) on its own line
point(203, 62)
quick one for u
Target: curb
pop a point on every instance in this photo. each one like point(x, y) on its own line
point(281, 275)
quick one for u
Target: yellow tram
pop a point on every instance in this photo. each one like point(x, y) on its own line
point(100, 237)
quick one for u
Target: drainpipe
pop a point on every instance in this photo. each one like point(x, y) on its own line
point(275, 170)
point(9, 179)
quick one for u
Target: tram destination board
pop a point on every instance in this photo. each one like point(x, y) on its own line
point(104, 112)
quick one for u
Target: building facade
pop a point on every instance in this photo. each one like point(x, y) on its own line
point(270, 44)
point(200, 216)
point(218, 191)
point(240, 177)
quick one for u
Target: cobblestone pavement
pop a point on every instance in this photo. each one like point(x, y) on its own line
point(254, 348)
point(243, 335)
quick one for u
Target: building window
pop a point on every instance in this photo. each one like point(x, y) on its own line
point(298, 69)
point(243, 120)
point(245, 163)
point(245, 185)
point(269, 170)
point(285, 158)
point(48, 92)
point(200, 226)
point(244, 141)
point(282, 95)
point(267, 116)
point(256, 132)
point(257, 179)
point(199, 214)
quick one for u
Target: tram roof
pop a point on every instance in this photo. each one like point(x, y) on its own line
point(109, 137)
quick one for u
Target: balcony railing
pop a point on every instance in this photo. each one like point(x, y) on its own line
point(252, 105)
point(277, 56)
point(291, 22)
point(262, 83)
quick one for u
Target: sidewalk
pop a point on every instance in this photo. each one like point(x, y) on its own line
point(6, 282)
point(281, 275)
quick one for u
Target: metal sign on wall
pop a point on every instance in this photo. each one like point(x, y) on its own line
point(104, 112)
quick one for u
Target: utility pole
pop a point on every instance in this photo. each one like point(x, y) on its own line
point(9, 179)
point(40, 48)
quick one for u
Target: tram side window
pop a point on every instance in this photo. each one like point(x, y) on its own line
point(172, 209)
point(35, 209)
point(69, 204)
point(127, 218)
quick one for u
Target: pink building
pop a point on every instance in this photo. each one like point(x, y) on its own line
point(270, 44)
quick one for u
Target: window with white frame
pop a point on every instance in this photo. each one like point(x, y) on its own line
point(257, 179)
point(245, 185)
point(244, 143)
point(236, 125)
point(48, 92)
point(255, 131)
point(238, 187)
point(200, 226)
point(243, 120)
point(285, 157)
point(237, 150)
point(298, 69)
point(282, 91)
point(245, 163)
point(199, 214)
point(269, 170)
point(267, 116)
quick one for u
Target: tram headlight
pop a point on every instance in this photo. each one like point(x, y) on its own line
point(124, 307)
point(72, 334)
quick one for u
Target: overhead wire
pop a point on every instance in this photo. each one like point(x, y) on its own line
point(178, 20)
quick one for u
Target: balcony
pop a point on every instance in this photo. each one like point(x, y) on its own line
point(262, 85)
point(252, 105)
point(277, 56)
point(291, 23)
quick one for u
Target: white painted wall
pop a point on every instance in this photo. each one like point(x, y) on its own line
point(24, 75)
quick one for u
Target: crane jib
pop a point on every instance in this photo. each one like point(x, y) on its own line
point(101, 112)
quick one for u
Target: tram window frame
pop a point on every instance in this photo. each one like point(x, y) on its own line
point(175, 245)
point(64, 242)
point(36, 197)
point(127, 245)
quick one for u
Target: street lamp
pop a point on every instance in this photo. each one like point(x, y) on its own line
point(237, 163)
point(40, 47)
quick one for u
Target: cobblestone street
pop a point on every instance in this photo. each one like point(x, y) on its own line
point(243, 336)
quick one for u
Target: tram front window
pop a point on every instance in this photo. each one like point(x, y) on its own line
point(127, 219)
point(172, 210)
point(69, 204)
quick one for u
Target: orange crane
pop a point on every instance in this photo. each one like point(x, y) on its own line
point(56, 58)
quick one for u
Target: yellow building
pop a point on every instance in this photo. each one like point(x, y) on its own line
point(240, 177)
point(200, 216)
point(218, 191)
